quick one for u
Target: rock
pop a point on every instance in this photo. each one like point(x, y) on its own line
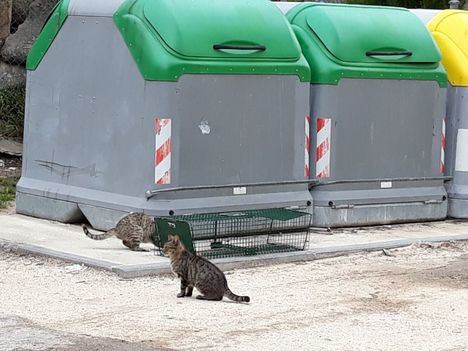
point(387, 253)
point(42, 8)
point(17, 45)
point(11, 75)
point(5, 19)
point(2, 163)
point(20, 11)
point(10, 147)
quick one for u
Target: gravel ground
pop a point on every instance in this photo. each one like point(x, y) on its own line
point(414, 299)
point(10, 166)
point(18, 334)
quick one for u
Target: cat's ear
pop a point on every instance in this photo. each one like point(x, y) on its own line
point(170, 238)
point(176, 238)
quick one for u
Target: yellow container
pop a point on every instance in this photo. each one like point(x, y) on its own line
point(450, 30)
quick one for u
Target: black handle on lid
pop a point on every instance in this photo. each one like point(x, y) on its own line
point(239, 47)
point(389, 53)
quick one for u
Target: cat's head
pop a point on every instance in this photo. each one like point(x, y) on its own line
point(173, 246)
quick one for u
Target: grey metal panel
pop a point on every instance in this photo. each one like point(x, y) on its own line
point(43, 207)
point(373, 194)
point(256, 130)
point(90, 139)
point(381, 129)
point(193, 202)
point(458, 208)
point(457, 119)
point(93, 8)
point(425, 15)
point(85, 102)
point(378, 214)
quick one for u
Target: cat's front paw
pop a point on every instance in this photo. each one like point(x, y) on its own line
point(180, 294)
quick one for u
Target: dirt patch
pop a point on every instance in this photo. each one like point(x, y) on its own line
point(453, 273)
point(377, 304)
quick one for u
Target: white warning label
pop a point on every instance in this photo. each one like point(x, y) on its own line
point(461, 161)
point(386, 185)
point(241, 190)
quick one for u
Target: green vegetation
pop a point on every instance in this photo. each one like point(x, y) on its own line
point(7, 191)
point(12, 111)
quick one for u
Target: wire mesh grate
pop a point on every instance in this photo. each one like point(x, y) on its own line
point(238, 233)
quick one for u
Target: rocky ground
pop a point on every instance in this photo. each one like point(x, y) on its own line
point(10, 167)
point(414, 298)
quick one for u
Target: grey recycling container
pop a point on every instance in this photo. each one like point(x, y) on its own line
point(377, 103)
point(167, 107)
point(449, 29)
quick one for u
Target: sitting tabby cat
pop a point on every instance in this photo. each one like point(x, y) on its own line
point(198, 272)
point(133, 229)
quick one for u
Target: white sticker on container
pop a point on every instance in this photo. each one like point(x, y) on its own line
point(386, 185)
point(461, 161)
point(204, 127)
point(241, 190)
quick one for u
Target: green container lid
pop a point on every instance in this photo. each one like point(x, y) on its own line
point(168, 38)
point(192, 28)
point(365, 42)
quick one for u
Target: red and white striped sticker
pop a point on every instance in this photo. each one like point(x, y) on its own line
point(307, 148)
point(442, 148)
point(322, 153)
point(162, 156)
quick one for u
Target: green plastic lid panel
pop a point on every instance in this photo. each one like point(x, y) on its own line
point(365, 41)
point(370, 34)
point(168, 38)
point(193, 27)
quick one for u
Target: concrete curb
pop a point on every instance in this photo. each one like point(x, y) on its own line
point(140, 270)
point(42, 251)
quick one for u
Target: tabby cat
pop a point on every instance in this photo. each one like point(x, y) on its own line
point(198, 272)
point(133, 229)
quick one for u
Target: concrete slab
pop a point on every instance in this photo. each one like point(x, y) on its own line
point(67, 242)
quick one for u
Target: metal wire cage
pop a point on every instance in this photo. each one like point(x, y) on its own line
point(239, 233)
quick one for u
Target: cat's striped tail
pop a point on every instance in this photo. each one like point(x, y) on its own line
point(231, 296)
point(102, 236)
